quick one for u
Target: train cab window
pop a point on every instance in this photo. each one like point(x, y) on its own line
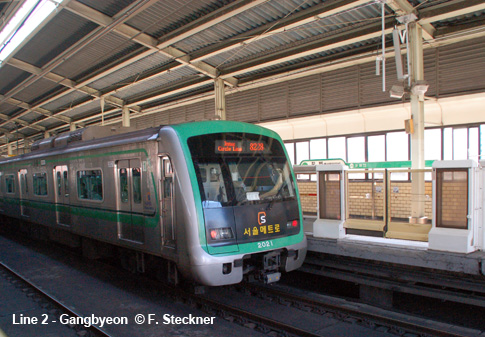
point(40, 184)
point(234, 169)
point(10, 183)
point(90, 185)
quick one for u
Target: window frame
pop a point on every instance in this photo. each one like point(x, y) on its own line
point(78, 181)
point(35, 188)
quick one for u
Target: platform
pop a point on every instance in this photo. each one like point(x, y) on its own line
point(405, 252)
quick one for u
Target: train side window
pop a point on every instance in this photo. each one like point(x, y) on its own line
point(124, 184)
point(136, 175)
point(10, 184)
point(24, 186)
point(59, 183)
point(66, 183)
point(90, 185)
point(40, 184)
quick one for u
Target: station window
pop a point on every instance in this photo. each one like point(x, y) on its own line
point(398, 150)
point(302, 153)
point(40, 184)
point(290, 149)
point(336, 148)
point(473, 144)
point(460, 144)
point(318, 149)
point(376, 148)
point(482, 141)
point(10, 183)
point(90, 185)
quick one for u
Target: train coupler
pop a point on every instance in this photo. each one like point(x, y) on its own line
point(272, 277)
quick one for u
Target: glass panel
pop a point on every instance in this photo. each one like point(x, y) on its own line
point(124, 185)
point(447, 144)
point(136, 174)
point(452, 198)
point(238, 174)
point(10, 184)
point(329, 202)
point(473, 144)
point(90, 185)
point(66, 183)
point(356, 149)
point(365, 199)
point(302, 152)
point(40, 184)
point(397, 146)
point(432, 144)
point(336, 148)
point(59, 183)
point(318, 149)
point(482, 142)
point(376, 148)
point(460, 144)
point(398, 150)
point(290, 149)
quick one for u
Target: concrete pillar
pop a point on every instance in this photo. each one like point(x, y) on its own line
point(73, 127)
point(10, 149)
point(417, 112)
point(47, 134)
point(220, 98)
point(125, 117)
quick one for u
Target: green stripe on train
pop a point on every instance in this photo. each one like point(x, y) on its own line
point(144, 220)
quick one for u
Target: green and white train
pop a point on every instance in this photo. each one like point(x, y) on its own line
point(216, 199)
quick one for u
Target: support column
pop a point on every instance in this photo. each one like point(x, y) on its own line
point(10, 149)
point(73, 127)
point(47, 134)
point(418, 89)
point(125, 117)
point(220, 98)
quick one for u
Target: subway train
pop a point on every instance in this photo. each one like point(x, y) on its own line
point(217, 200)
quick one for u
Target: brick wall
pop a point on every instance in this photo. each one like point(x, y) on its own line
point(361, 203)
point(454, 204)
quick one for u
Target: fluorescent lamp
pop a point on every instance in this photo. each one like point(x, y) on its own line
point(24, 22)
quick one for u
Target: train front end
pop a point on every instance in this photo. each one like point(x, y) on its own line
point(250, 221)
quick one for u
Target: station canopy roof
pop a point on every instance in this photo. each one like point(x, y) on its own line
point(68, 62)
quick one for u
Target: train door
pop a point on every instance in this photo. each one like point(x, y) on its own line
point(63, 211)
point(130, 217)
point(167, 203)
point(23, 193)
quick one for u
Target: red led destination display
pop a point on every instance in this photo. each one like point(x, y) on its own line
point(239, 146)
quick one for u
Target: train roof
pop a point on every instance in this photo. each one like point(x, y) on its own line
point(96, 137)
point(74, 142)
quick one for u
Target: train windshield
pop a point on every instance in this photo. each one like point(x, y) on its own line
point(239, 168)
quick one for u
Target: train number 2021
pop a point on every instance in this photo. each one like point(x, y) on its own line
point(265, 244)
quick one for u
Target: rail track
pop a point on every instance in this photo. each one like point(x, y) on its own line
point(59, 308)
point(374, 318)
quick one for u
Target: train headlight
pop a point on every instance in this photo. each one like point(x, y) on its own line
point(221, 233)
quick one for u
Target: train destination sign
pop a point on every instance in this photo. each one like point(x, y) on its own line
point(240, 146)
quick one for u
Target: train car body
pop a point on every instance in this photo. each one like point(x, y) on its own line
point(218, 199)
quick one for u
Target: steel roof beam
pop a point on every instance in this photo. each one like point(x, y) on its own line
point(353, 36)
point(145, 40)
point(315, 13)
point(403, 7)
point(125, 14)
